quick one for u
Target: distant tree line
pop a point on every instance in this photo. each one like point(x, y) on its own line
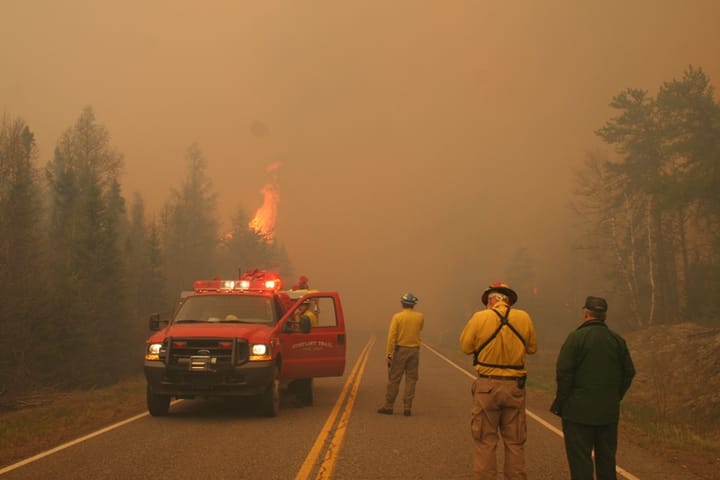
point(80, 272)
point(652, 208)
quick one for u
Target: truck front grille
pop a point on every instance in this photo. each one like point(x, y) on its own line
point(206, 354)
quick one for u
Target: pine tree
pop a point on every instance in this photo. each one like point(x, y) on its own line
point(145, 279)
point(657, 202)
point(87, 273)
point(190, 227)
point(21, 255)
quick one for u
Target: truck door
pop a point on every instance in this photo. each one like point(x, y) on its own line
point(321, 351)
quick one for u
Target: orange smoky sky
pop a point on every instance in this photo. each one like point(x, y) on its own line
point(422, 143)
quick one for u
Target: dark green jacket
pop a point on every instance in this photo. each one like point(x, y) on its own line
point(594, 370)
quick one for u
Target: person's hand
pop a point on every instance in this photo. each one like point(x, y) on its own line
point(555, 408)
point(388, 359)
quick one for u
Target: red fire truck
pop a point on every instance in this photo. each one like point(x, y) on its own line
point(244, 337)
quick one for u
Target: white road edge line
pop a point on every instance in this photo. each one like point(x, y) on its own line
point(530, 414)
point(47, 453)
point(70, 444)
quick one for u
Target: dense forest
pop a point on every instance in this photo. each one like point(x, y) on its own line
point(81, 270)
point(81, 267)
point(651, 209)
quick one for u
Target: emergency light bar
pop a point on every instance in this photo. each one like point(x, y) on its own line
point(269, 284)
point(256, 280)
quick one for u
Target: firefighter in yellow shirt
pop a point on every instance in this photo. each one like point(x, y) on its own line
point(306, 311)
point(303, 317)
point(499, 337)
point(403, 354)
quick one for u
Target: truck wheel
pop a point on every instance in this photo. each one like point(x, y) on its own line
point(271, 397)
point(158, 405)
point(305, 391)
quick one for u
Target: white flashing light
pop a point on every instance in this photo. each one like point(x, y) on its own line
point(244, 284)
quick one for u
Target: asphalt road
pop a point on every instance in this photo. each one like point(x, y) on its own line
point(340, 437)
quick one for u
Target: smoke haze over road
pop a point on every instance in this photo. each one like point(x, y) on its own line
point(422, 143)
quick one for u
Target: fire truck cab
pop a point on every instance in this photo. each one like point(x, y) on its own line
point(244, 337)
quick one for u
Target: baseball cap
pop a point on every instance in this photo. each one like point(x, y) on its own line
point(596, 304)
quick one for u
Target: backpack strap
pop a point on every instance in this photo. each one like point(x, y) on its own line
point(503, 323)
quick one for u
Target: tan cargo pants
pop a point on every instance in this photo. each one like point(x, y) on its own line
point(406, 360)
point(498, 407)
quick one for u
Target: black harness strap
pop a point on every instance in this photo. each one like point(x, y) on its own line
point(503, 323)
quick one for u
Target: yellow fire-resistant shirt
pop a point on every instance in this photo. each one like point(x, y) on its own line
point(313, 318)
point(405, 328)
point(506, 348)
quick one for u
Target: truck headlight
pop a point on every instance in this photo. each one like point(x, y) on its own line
point(260, 351)
point(153, 351)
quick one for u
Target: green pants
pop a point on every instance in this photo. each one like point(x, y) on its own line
point(581, 440)
point(405, 361)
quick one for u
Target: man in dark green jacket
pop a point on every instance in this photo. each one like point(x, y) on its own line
point(594, 370)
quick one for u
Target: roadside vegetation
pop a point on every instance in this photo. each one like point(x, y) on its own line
point(48, 418)
point(684, 419)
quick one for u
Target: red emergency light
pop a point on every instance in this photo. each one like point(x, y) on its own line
point(213, 285)
point(260, 280)
point(255, 280)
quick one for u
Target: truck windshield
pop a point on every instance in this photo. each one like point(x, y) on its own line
point(226, 309)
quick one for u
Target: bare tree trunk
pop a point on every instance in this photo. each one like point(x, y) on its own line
point(651, 260)
point(683, 276)
point(634, 295)
point(627, 266)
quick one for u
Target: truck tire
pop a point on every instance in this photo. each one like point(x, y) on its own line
point(304, 391)
point(157, 405)
point(270, 400)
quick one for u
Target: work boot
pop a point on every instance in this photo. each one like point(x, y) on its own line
point(407, 412)
point(385, 411)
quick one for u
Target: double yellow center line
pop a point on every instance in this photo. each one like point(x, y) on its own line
point(333, 432)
